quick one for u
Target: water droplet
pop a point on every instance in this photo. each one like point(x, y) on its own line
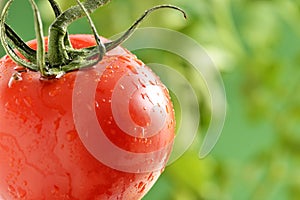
point(132, 69)
point(14, 78)
point(54, 92)
point(17, 101)
point(145, 140)
point(27, 101)
point(143, 95)
point(151, 82)
point(11, 189)
point(124, 58)
point(21, 192)
point(140, 131)
point(71, 135)
point(142, 83)
point(55, 189)
point(136, 85)
point(139, 62)
point(140, 185)
point(97, 104)
point(151, 177)
point(122, 87)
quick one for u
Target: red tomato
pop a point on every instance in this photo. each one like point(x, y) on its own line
point(100, 133)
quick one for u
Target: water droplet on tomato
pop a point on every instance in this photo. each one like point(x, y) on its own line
point(140, 131)
point(132, 69)
point(17, 101)
point(136, 85)
point(152, 82)
point(54, 92)
point(140, 185)
point(124, 59)
point(11, 189)
point(14, 78)
point(71, 135)
point(142, 82)
point(55, 189)
point(151, 177)
point(27, 101)
point(167, 109)
point(116, 67)
point(139, 62)
point(145, 140)
point(122, 87)
point(21, 192)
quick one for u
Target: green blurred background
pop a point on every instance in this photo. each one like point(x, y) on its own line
point(256, 46)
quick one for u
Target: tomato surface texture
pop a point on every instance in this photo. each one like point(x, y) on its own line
point(104, 132)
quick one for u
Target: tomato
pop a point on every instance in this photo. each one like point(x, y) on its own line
point(104, 132)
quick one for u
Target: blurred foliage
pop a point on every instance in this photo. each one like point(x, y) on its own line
point(255, 45)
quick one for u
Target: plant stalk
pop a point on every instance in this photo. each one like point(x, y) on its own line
point(57, 52)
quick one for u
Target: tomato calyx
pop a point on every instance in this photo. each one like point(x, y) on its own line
point(61, 57)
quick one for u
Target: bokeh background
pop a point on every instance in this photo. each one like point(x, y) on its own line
point(256, 46)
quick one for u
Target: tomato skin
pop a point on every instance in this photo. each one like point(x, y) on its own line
point(42, 155)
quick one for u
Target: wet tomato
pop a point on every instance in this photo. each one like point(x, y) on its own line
point(104, 132)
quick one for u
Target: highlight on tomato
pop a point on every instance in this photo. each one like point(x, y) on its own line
point(81, 117)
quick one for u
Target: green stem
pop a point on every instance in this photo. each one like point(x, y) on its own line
point(111, 45)
point(20, 45)
point(100, 45)
point(61, 57)
point(40, 56)
point(57, 12)
point(57, 52)
point(7, 47)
